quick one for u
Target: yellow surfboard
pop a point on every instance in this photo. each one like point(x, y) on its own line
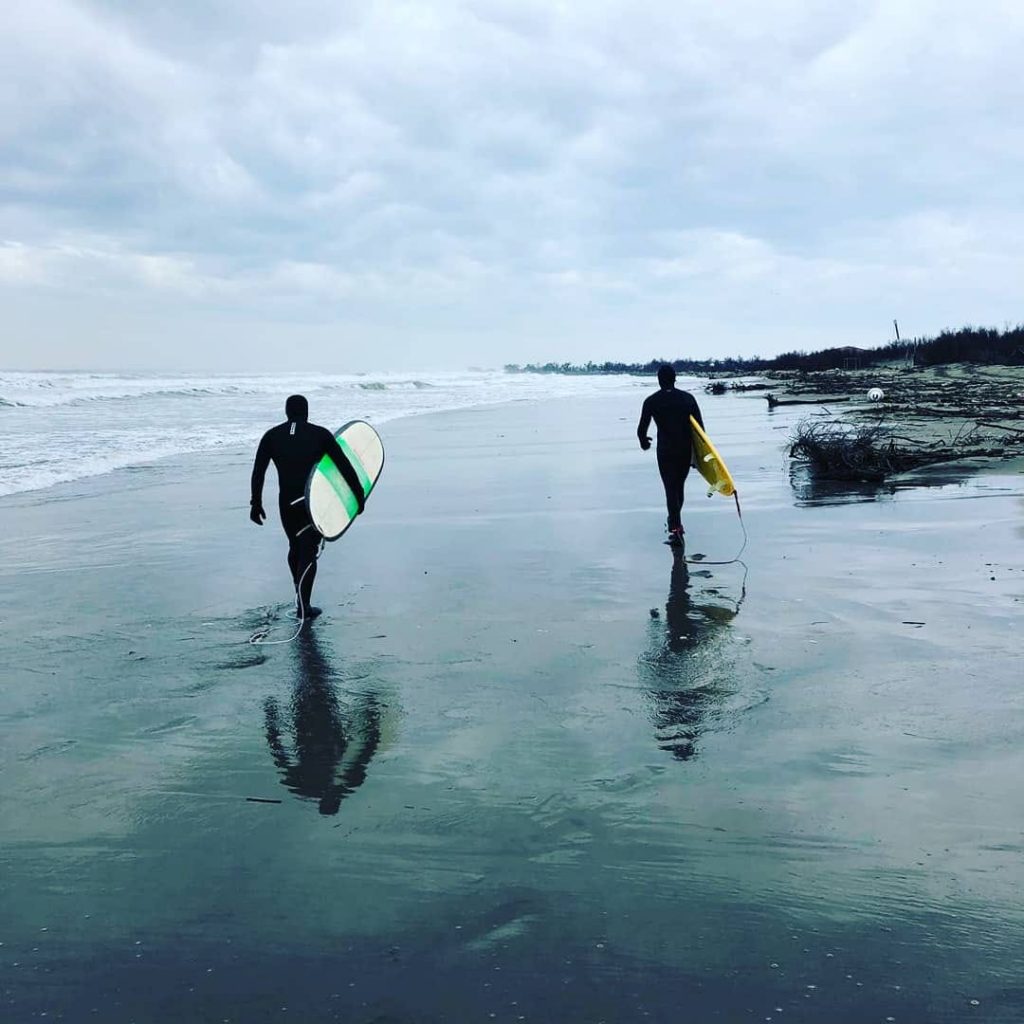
point(710, 464)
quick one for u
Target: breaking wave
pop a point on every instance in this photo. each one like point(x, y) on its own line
point(60, 427)
point(49, 391)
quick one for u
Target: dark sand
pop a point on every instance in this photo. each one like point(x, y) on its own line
point(503, 789)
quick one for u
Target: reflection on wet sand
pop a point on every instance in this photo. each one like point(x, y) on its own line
point(333, 741)
point(811, 489)
point(681, 670)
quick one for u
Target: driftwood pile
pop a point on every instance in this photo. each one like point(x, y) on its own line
point(927, 416)
point(975, 396)
point(774, 402)
point(942, 414)
point(719, 387)
point(838, 450)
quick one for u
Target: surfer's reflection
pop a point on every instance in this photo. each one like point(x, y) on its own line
point(683, 673)
point(333, 741)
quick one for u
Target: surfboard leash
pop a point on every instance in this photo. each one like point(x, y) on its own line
point(259, 638)
point(739, 554)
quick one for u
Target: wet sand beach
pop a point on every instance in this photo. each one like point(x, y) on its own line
point(529, 765)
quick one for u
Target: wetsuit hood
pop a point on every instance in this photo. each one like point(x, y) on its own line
point(297, 409)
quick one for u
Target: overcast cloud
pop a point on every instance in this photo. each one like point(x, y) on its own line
point(260, 185)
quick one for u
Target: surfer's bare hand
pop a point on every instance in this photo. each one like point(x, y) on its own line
point(256, 514)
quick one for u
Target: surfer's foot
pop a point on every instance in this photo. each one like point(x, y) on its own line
point(675, 536)
point(311, 613)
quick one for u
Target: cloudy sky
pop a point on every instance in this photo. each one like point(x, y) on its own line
point(255, 184)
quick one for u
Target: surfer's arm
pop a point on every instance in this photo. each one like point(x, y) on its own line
point(346, 469)
point(695, 415)
point(696, 412)
point(259, 472)
point(644, 426)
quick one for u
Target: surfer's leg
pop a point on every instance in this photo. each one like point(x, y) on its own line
point(683, 470)
point(668, 468)
point(302, 551)
point(303, 541)
point(290, 525)
point(308, 580)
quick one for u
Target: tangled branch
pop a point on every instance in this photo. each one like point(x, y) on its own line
point(837, 450)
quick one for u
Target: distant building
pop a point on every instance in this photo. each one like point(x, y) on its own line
point(851, 356)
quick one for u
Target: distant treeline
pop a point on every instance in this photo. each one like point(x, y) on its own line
point(966, 345)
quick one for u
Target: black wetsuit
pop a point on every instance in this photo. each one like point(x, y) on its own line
point(295, 447)
point(671, 411)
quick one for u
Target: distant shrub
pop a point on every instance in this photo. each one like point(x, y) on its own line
point(966, 345)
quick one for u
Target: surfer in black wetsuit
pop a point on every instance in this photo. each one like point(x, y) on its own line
point(671, 411)
point(295, 447)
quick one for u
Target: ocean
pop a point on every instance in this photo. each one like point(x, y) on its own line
point(57, 427)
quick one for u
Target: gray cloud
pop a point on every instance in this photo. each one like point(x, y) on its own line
point(492, 180)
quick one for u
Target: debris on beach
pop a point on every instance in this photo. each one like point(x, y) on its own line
point(773, 401)
point(720, 387)
point(933, 415)
point(939, 392)
point(839, 450)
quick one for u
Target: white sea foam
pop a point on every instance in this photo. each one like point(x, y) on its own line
point(47, 390)
point(60, 427)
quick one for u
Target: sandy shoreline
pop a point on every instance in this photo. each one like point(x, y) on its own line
point(527, 764)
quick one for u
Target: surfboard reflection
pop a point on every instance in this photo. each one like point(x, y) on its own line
point(332, 741)
point(685, 676)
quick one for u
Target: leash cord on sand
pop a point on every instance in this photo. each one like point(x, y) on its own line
point(739, 554)
point(259, 638)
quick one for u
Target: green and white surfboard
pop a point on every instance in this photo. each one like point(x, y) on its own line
point(332, 505)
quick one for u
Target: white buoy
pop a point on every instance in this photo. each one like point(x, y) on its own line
point(876, 395)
